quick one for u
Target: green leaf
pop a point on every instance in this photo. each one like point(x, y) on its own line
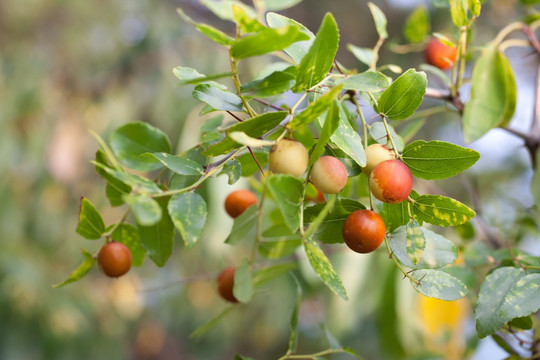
point(416, 241)
point(322, 266)
point(492, 297)
point(458, 12)
point(493, 95)
point(417, 26)
point(242, 225)
point(188, 75)
point(438, 284)
point(224, 8)
point(524, 323)
point(262, 276)
point(233, 169)
point(214, 34)
point(254, 127)
point(130, 141)
point(287, 191)
point(188, 213)
point(243, 284)
point(244, 139)
point(203, 329)
point(115, 188)
point(380, 20)
point(129, 235)
point(396, 215)
point(279, 242)
point(403, 96)
point(331, 123)
point(368, 81)
point(535, 183)
point(293, 338)
point(217, 98)
point(330, 230)
point(267, 41)
point(299, 49)
point(278, 5)
point(91, 225)
point(317, 63)
point(146, 210)
point(441, 210)
point(348, 140)
point(438, 250)
point(435, 160)
point(247, 24)
point(315, 109)
point(475, 7)
point(158, 239)
point(80, 271)
point(276, 83)
point(179, 164)
point(138, 184)
point(364, 55)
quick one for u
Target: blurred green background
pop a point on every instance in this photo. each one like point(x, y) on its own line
point(68, 67)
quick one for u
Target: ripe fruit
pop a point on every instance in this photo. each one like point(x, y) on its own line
point(328, 174)
point(288, 157)
point(114, 259)
point(363, 231)
point(439, 54)
point(376, 154)
point(238, 201)
point(225, 284)
point(391, 181)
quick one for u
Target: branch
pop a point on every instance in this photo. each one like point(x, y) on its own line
point(446, 95)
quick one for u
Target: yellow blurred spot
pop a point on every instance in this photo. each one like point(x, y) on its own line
point(442, 325)
point(124, 296)
point(201, 294)
point(150, 340)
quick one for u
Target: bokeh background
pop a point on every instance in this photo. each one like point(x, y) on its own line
point(71, 67)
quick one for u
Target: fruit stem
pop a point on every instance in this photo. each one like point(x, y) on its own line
point(398, 155)
point(312, 356)
point(258, 229)
point(405, 273)
point(236, 80)
point(517, 25)
point(373, 65)
point(319, 218)
point(461, 61)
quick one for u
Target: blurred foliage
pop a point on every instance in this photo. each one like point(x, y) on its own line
point(70, 67)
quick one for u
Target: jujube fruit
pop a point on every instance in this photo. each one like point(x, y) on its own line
point(439, 54)
point(391, 181)
point(363, 231)
point(376, 154)
point(225, 284)
point(114, 259)
point(329, 175)
point(288, 157)
point(238, 201)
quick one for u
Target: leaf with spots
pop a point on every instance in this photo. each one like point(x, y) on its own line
point(128, 235)
point(434, 160)
point(523, 298)
point(438, 284)
point(416, 241)
point(188, 213)
point(287, 191)
point(441, 210)
point(493, 297)
point(438, 251)
point(322, 266)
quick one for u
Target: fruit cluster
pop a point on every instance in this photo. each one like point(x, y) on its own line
point(390, 181)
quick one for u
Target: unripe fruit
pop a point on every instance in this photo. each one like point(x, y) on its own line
point(439, 54)
point(317, 197)
point(238, 201)
point(376, 154)
point(391, 181)
point(114, 259)
point(288, 157)
point(363, 231)
point(329, 175)
point(225, 284)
